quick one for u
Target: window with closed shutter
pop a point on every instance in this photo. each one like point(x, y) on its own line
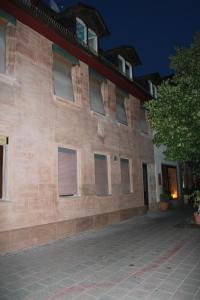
point(120, 108)
point(125, 176)
point(67, 172)
point(143, 121)
point(101, 174)
point(2, 47)
point(62, 78)
point(96, 99)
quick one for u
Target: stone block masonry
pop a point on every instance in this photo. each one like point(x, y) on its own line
point(37, 124)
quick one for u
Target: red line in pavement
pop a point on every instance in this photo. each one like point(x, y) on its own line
point(152, 266)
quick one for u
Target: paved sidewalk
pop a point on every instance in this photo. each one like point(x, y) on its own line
point(143, 258)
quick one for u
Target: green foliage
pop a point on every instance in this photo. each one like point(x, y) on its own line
point(175, 114)
point(196, 201)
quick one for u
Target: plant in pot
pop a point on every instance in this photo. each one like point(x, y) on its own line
point(165, 201)
point(196, 204)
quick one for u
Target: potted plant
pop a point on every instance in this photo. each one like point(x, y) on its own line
point(165, 201)
point(196, 204)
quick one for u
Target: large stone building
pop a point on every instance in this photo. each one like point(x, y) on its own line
point(75, 149)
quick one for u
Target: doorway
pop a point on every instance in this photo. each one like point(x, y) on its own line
point(145, 185)
point(169, 181)
point(1, 171)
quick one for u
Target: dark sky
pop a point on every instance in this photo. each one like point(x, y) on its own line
point(152, 27)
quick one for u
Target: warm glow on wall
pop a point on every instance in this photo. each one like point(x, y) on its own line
point(174, 195)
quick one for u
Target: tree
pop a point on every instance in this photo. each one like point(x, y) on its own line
point(175, 114)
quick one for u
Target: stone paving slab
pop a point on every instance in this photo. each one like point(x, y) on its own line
point(148, 257)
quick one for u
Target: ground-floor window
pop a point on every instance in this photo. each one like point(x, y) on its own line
point(169, 180)
point(125, 176)
point(101, 174)
point(67, 172)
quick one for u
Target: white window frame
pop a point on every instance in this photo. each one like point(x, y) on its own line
point(130, 70)
point(150, 87)
point(95, 37)
point(123, 63)
point(85, 29)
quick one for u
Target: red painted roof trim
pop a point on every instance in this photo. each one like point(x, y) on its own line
point(74, 50)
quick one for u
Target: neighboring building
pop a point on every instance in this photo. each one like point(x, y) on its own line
point(168, 173)
point(74, 142)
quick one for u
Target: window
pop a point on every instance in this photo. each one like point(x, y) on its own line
point(143, 121)
point(3, 166)
point(86, 35)
point(128, 70)
point(101, 174)
point(2, 47)
point(125, 176)
point(81, 31)
point(62, 77)
point(125, 67)
point(67, 172)
point(96, 99)
point(120, 108)
point(92, 40)
point(152, 89)
point(121, 62)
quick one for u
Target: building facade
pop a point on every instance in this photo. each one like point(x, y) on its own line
point(75, 150)
point(168, 174)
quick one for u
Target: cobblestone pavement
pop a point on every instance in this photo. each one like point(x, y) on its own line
point(143, 258)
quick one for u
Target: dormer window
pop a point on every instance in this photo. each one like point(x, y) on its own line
point(152, 89)
point(125, 67)
point(92, 40)
point(86, 36)
point(81, 31)
point(128, 70)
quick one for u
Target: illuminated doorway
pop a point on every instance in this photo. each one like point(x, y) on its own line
point(169, 181)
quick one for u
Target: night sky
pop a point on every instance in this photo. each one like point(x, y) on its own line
point(152, 27)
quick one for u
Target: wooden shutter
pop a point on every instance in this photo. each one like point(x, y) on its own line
point(67, 172)
point(2, 48)
point(143, 121)
point(125, 176)
point(120, 109)
point(96, 101)
point(101, 174)
point(62, 78)
point(1, 170)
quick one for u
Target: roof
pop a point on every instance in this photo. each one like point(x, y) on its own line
point(90, 15)
point(40, 20)
point(126, 51)
point(155, 78)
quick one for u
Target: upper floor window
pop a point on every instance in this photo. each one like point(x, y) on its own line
point(152, 89)
point(86, 36)
point(125, 67)
point(2, 47)
point(92, 40)
point(81, 31)
point(120, 108)
point(96, 97)
point(62, 73)
point(143, 120)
